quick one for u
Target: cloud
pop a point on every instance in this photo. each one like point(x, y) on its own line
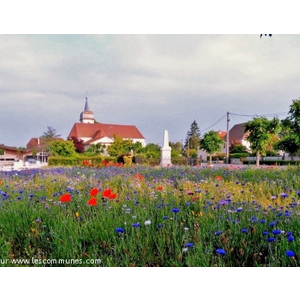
point(156, 82)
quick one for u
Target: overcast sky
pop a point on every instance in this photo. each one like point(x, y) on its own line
point(156, 82)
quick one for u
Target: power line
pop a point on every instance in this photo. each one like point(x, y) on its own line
point(265, 115)
point(206, 129)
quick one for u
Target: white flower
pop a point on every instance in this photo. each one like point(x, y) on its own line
point(148, 222)
point(185, 249)
point(186, 229)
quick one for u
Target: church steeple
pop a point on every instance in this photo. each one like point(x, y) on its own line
point(86, 108)
point(87, 116)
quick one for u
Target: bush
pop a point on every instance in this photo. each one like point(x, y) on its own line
point(79, 160)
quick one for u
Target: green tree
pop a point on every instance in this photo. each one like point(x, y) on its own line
point(176, 149)
point(289, 144)
point(62, 148)
point(237, 147)
point(290, 131)
point(120, 146)
point(49, 136)
point(95, 149)
point(193, 137)
point(211, 143)
point(260, 131)
point(151, 150)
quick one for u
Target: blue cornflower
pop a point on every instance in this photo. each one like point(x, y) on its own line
point(189, 245)
point(135, 225)
point(120, 230)
point(262, 221)
point(159, 226)
point(265, 233)
point(289, 233)
point(165, 217)
point(221, 251)
point(244, 230)
point(291, 238)
point(276, 231)
point(254, 219)
point(298, 193)
point(218, 232)
point(283, 195)
point(290, 253)
point(271, 239)
point(239, 209)
point(272, 224)
point(175, 210)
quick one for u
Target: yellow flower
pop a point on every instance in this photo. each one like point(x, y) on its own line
point(77, 214)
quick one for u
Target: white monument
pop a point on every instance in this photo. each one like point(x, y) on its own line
point(165, 158)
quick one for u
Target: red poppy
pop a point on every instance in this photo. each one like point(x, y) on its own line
point(160, 188)
point(112, 196)
point(0, 182)
point(218, 177)
point(92, 202)
point(94, 192)
point(139, 176)
point(106, 193)
point(65, 198)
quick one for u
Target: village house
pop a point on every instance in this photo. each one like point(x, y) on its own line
point(92, 132)
point(11, 155)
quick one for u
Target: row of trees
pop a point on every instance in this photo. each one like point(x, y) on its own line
point(264, 136)
point(262, 133)
point(287, 132)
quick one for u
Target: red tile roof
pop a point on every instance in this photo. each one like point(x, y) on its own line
point(99, 130)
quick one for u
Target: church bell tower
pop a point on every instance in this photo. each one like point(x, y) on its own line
point(87, 116)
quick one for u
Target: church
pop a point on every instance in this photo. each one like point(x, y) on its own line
point(92, 132)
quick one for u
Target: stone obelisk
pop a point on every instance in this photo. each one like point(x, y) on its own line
point(165, 157)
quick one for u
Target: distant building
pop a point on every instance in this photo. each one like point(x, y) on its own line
point(92, 132)
point(37, 150)
point(237, 135)
point(9, 155)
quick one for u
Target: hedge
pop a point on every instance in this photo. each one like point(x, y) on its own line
point(79, 160)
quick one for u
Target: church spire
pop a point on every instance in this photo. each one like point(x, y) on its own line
point(86, 107)
point(87, 116)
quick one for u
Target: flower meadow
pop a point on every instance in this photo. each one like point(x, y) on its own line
point(149, 216)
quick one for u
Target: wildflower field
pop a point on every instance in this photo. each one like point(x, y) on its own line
point(142, 216)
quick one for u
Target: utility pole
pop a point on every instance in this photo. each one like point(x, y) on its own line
point(227, 139)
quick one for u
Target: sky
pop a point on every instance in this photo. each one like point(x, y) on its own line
point(156, 82)
point(162, 80)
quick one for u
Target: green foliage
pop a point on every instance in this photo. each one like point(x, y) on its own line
point(1, 151)
point(151, 151)
point(95, 149)
point(79, 160)
point(120, 146)
point(239, 155)
point(260, 131)
point(290, 139)
point(211, 143)
point(62, 148)
point(237, 148)
point(193, 137)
